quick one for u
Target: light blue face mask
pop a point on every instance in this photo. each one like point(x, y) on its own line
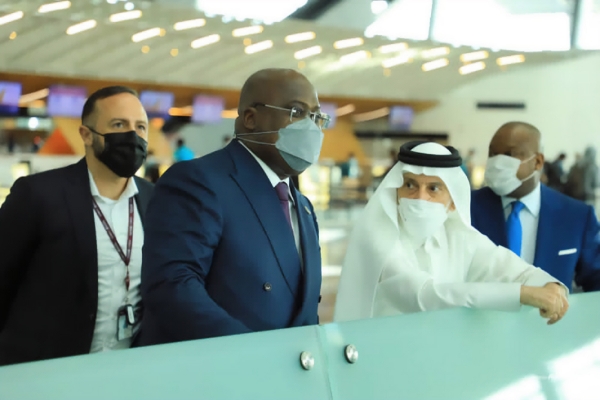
point(299, 143)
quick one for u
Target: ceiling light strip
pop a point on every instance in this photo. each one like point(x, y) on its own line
point(147, 34)
point(11, 17)
point(126, 16)
point(205, 41)
point(470, 68)
point(192, 23)
point(260, 46)
point(300, 37)
point(517, 58)
point(354, 57)
point(431, 65)
point(81, 27)
point(392, 62)
point(474, 56)
point(250, 30)
point(394, 47)
point(309, 52)
point(347, 43)
point(436, 52)
point(57, 6)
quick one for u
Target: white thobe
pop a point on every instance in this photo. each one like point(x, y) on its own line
point(454, 268)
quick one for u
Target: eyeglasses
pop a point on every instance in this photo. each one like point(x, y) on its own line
point(297, 113)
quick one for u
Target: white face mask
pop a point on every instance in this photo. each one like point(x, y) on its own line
point(422, 218)
point(501, 174)
point(299, 143)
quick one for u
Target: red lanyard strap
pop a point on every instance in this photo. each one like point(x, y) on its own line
point(125, 257)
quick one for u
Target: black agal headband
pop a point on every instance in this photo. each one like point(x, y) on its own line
point(407, 156)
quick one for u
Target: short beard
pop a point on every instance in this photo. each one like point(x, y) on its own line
point(97, 147)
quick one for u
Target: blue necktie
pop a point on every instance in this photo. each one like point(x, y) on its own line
point(514, 229)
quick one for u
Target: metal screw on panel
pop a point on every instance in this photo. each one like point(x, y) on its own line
point(351, 353)
point(307, 360)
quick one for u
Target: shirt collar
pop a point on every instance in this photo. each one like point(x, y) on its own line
point(130, 190)
point(271, 175)
point(533, 201)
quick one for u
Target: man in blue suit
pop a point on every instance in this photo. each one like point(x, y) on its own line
point(231, 245)
point(546, 228)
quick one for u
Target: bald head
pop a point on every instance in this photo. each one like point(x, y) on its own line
point(266, 102)
point(522, 141)
point(269, 85)
point(518, 134)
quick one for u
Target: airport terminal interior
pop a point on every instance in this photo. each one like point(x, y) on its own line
point(387, 72)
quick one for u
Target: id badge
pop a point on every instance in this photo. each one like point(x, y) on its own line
point(125, 322)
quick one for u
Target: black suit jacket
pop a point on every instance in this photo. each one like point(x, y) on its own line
point(49, 265)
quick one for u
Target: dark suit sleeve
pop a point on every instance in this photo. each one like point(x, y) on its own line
point(18, 233)
point(182, 230)
point(587, 273)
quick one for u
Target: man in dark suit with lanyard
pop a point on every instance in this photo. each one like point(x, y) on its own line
point(231, 245)
point(71, 242)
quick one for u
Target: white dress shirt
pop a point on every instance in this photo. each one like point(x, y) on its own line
point(112, 270)
point(529, 217)
point(274, 179)
point(454, 269)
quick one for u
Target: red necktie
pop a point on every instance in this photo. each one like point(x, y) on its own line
point(284, 200)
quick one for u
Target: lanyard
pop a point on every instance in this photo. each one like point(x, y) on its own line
point(125, 257)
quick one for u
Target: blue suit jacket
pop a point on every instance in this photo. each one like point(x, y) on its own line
point(219, 256)
point(564, 224)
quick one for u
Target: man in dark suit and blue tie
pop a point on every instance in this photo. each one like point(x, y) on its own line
point(546, 228)
point(231, 245)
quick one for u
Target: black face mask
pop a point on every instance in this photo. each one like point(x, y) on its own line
point(123, 152)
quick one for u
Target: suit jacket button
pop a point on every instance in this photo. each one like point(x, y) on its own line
point(267, 287)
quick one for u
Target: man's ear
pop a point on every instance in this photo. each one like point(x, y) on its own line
point(452, 206)
point(86, 135)
point(539, 161)
point(249, 118)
